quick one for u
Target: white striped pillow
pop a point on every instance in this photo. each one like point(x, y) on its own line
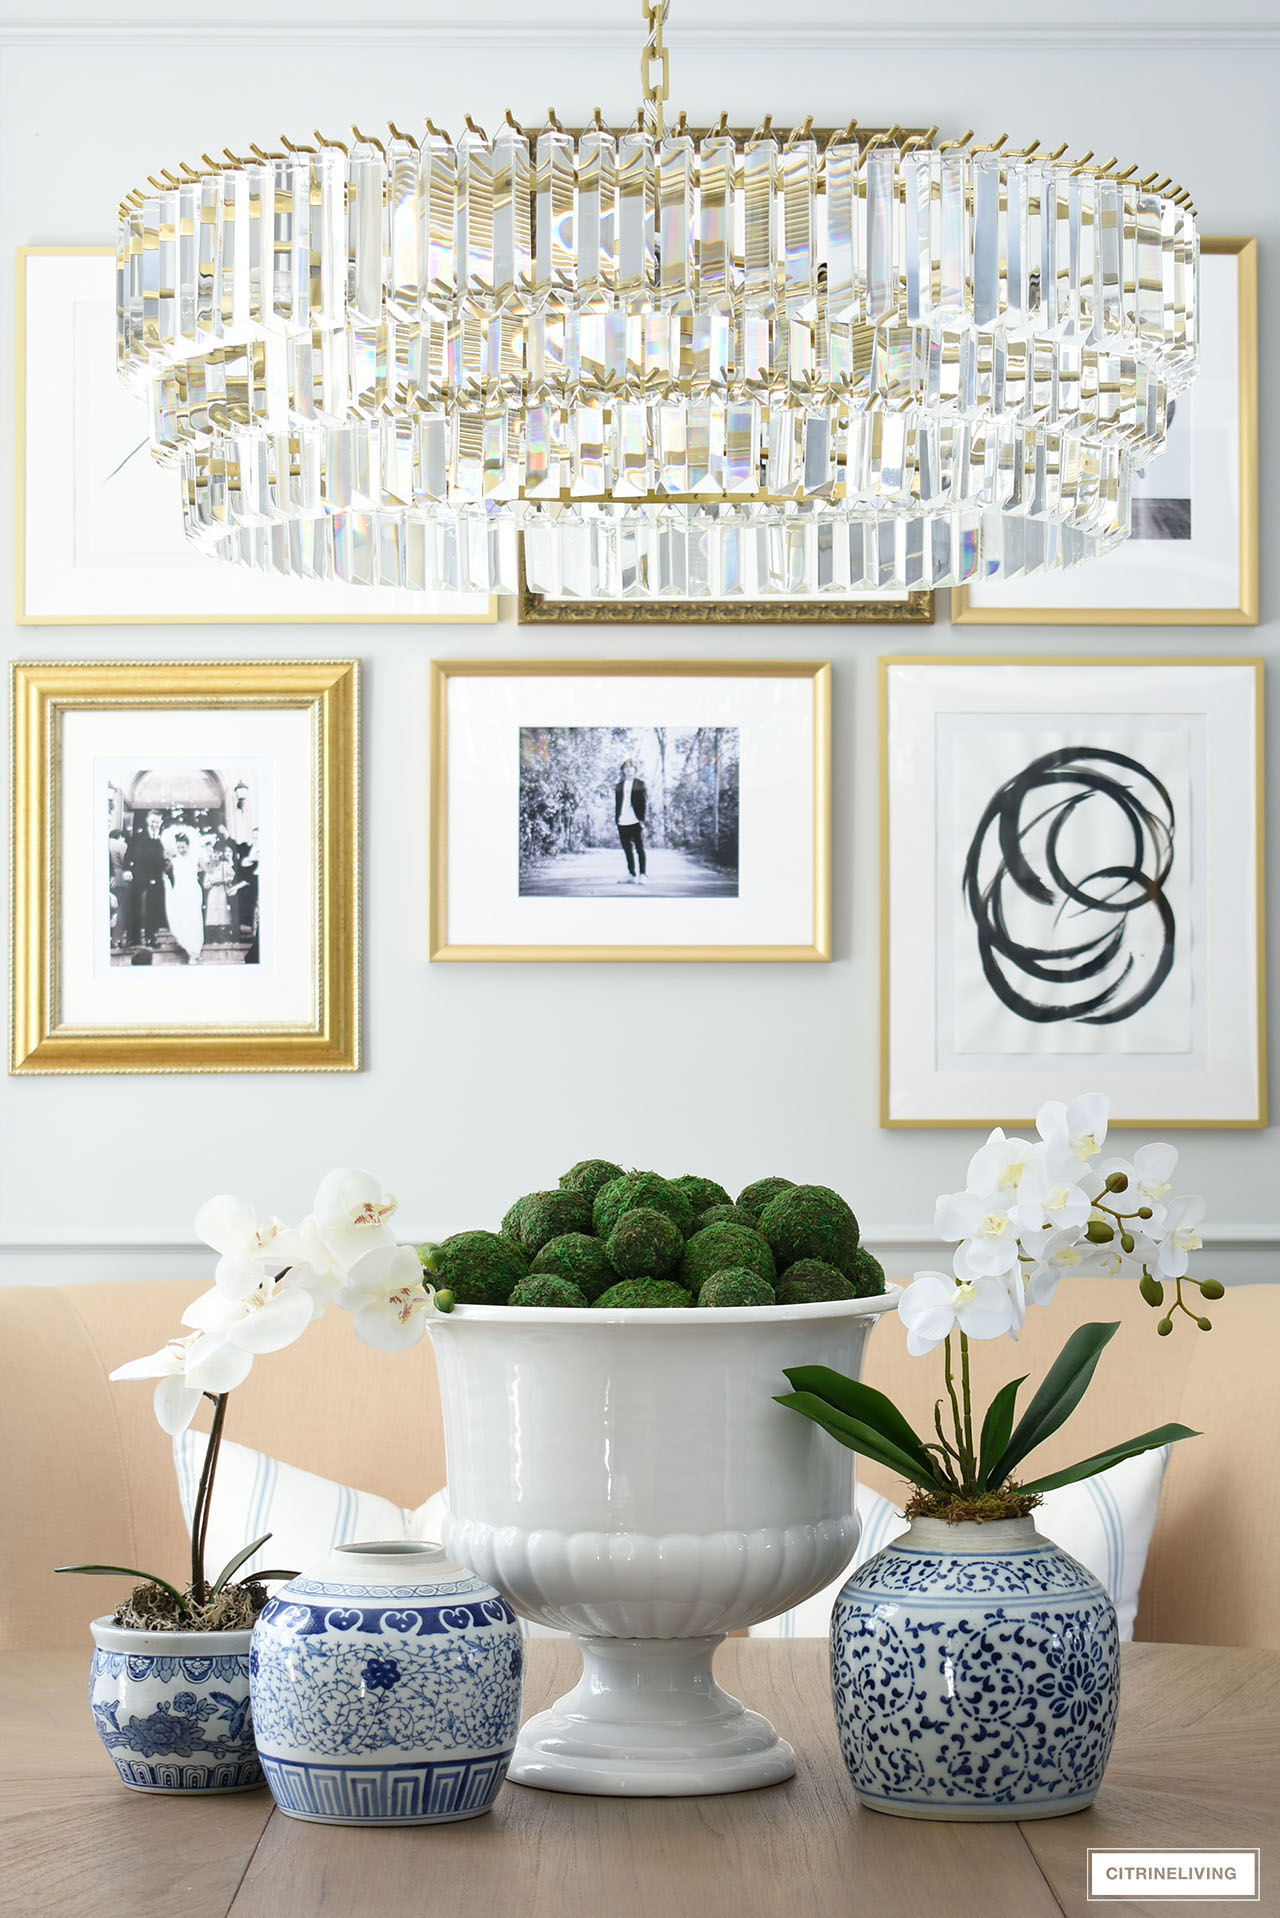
point(305, 1515)
point(1105, 1522)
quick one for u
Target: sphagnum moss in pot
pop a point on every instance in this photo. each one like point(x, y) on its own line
point(617, 1467)
point(974, 1665)
point(169, 1685)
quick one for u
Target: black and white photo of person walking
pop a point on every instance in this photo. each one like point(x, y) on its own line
point(629, 801)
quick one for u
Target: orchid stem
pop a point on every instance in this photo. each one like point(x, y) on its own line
point(968, 1411)
point(204, 1496)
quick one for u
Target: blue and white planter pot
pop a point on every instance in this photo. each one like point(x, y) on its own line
point(172, 1708)
point(386, 1687)
point(975, 1671)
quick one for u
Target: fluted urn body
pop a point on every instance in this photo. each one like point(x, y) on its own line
point(627, 1476)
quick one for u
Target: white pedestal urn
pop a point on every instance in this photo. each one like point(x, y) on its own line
point(975, 1671)
point(627, 1476)
point(172, 1708)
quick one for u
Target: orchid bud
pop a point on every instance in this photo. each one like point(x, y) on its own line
point(1211, 1289)
point(1151, 1289)
point(1144, 1212)
point(427, 1255)
point(1126, 1241)
point(1206, 1325)
point(1165, 1327)
point(444, 1300)
point(1118, 1182)
point(1098, 1232)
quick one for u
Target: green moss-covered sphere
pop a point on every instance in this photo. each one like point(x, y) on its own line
point(721, 1248)
point(737, 1286)
point(810, 1222)
point(866, 1274)
point(510, 1227)
point(580, 1259)
point(479, 1268)
point(640, 1188)
point(631, 1294)
point(589, 1175)
point(701, 1192)
point(812, 1282)
point(755, 1197)
point(541, 1216)
point(644, 1244)
point(725, 1215)
point(540, 1288)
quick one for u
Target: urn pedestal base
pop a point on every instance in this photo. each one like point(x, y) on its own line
point(648, 1720)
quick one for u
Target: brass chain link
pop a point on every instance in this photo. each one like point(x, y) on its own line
point(654, 92)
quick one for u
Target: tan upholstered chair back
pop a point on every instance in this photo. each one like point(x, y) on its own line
point(88, 1473)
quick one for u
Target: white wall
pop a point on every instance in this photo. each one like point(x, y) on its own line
point(483, 1081)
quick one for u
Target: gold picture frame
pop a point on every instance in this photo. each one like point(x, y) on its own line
point(1234, 750)
point(534, 609)
point(366, 607)
point(49, 898)
point(810, 799)
point(1245, 611)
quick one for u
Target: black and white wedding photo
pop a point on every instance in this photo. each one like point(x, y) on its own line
point(184, 864)
point(629, 811)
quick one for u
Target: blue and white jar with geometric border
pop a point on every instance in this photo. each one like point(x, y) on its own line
point(172, 1708)
point(386, 1686)
point(975, 1671)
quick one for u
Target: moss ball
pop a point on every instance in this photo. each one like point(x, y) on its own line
point(701, 1192)
point(479, 1268)
point(737, 1286)
point(540, 1288)
point(721, 1248)
point(541, 1216)
point(812, 1282)
point(866, 1274)
point(580, 1259)
point(725, 1215)
point(644, 1244)
point(510, 1227)
point(631, 1294)
point(755, 1197)
point(590, 1175)
point(636, 1189)
point(810, 1222)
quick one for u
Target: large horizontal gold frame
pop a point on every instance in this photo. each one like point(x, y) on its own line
point(1245, 611)
point(535, 609)
point(40, 1042)
point(818, 671)
point(1259, 878)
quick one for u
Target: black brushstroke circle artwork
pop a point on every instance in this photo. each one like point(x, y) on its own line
point(1031, 845)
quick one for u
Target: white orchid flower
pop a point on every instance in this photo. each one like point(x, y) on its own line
point(175, 1400)
point(386, 1291)
point(998, 1166)
point(1061, 1251)
point(247, 1244)
point(1149, 1174)
point(351, 1214)
point(935, 1305)
point(1048, 1200)
point(1178, 1237)
point(1081, 1127)
point(236, 1331)
point(983, 1224)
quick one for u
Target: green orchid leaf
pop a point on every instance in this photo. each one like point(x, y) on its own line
point(860, 1438)
point(233, 1564)
point(127, 1571)
point(860, 1402)
point(997, 1428)
point(1063, 1388)
point(1163, 1435)
point(260, 1578)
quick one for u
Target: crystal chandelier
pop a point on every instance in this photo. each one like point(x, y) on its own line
point(680, 362)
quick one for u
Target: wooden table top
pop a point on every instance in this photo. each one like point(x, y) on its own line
point(1196, 1763)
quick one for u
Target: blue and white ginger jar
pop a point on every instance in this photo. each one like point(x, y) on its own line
point(386, 1687)
point(975, 1671)
point(172, 1708)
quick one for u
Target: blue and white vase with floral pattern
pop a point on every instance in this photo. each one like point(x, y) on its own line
point(172, 1708)
point(975, 1670)
point(386, 1686)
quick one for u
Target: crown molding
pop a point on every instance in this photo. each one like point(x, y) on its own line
point(950, 35)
